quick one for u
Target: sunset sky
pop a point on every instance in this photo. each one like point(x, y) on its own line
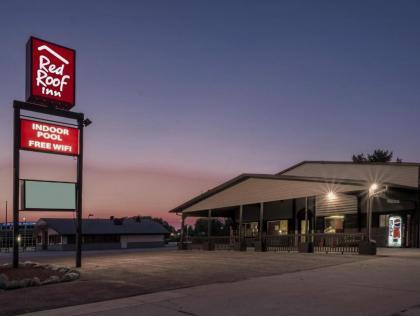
point(184, 95)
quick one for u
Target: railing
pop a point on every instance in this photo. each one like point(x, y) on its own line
point(282, 243)
point(215, 242)
point(322, 242)
point(224, 242)
point(250, 241)
point(196, 243)
point(340, 242)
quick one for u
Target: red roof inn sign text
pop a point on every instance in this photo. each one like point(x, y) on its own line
point(50, 74)
point(51, 138)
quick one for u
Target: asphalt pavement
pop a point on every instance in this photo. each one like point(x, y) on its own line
point(389, 284)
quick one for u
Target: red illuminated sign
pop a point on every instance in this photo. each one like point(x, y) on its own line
point(52, 138)
point(50, 78)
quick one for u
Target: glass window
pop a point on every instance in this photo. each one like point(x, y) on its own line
point(383, 220)
point(54, 239)
point(303, 227)
point(334, 224)
point(251, 229)
point(280, 227)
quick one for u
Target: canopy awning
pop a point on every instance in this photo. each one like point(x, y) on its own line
point(266, 189)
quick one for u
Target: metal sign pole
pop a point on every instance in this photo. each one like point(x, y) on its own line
point(79, 195)
point(18, 106)
point(16, 176)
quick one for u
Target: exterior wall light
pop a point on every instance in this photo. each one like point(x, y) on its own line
point(372, 189)
point(331, 196)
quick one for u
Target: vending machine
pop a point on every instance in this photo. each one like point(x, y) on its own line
point(395, 231)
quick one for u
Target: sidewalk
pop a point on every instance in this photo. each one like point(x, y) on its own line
point(382, 286)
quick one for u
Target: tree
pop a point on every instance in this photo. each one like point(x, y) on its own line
point(378, 155)
point(159, 220)
point(359, 158)
point(218, 227)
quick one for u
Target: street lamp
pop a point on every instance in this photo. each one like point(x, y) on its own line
point(24, 234)
point(87, 122)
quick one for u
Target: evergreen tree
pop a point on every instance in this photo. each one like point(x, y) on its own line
point(378, 155)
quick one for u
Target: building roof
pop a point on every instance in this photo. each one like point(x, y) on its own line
point(128, 226)
point(350, 163)
point(281, 176)
point(246, 176)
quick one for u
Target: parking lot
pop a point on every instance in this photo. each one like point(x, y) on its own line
point(115, 274)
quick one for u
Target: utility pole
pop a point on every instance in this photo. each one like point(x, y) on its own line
point(6, 214)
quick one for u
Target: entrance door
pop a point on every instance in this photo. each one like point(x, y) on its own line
point(250, 229)
point(250, 233)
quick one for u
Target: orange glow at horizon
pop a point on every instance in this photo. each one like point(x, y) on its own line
point(119, 192)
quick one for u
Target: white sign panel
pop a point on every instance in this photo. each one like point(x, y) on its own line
point(49, 195)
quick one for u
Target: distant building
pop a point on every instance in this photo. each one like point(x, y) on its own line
point(113, 233)
point(26, 237)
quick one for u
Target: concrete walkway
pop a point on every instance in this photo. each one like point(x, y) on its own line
point(386, 285)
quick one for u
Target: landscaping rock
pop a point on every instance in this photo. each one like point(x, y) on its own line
point(25, 282)
point(34, 274)
point(70, 276)
point(54, 268)
point(46, 266)
point(4, 280)
point(36, 282)
point(52, 279)
point(14, 284)
point(63, 270)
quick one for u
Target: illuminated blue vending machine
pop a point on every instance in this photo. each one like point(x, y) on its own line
point(395, 231)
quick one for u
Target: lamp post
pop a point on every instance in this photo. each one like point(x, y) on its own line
point(24, 234)
point(373, 191)
point(6, 213)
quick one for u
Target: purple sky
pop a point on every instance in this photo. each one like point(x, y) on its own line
point(186, 94)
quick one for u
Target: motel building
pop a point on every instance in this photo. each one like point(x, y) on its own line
point(313, 206)
point(99, 234)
